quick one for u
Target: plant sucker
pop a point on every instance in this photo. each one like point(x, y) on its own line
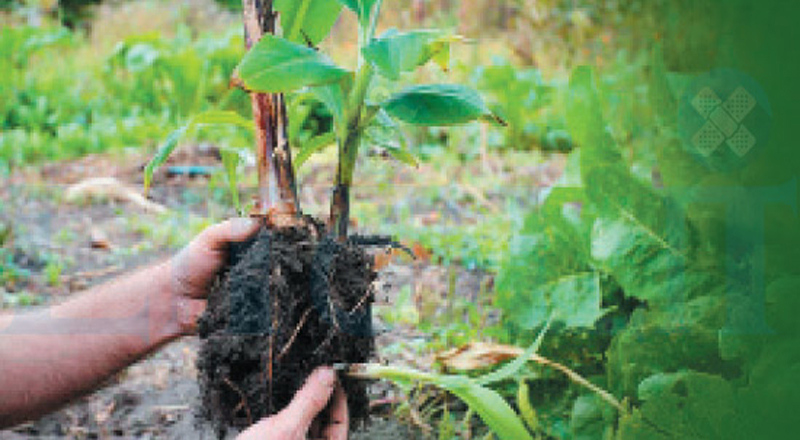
point(277, 189)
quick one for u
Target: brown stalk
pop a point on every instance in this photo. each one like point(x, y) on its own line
point(242, 402)
point(277, 189)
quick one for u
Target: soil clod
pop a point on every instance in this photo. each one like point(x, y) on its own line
point(293, 299)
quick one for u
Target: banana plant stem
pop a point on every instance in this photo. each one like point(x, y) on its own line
point(277, 190)
point(348, 152)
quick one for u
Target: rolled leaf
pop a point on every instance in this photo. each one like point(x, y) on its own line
point(163, 153)
point(314, 145)
point(211, 117)
point(230, 160)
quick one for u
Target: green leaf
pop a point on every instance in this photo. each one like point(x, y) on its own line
point(362, 8)
point(230, 160)
point(586, 125)
point(574, 299)
point(491, 408)
point(396, 52)
point(163, 153)
point(438, 104)
point(488, 404)
point(526, 410)
point(211, 117)
point(510, 369)
point(333, 97)
point(584, 117)
point(307, 20)
point(275, 65)
point(314, 145)
point(384, 132)
point(641, 238)
point(402, 155)
point(547, 268)
point(686, 404)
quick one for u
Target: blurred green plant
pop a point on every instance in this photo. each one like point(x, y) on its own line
point(58, 102)
point(525, 100)
point(636, 279)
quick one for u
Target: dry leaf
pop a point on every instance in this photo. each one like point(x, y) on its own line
point(113, 189)
point(477, 355)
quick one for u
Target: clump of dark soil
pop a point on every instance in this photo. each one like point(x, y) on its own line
point(293, 299)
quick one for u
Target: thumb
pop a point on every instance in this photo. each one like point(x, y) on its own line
point(216, 237)
point(312, 398)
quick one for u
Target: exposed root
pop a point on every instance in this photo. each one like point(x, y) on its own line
point(296, 332)
point(242, 402)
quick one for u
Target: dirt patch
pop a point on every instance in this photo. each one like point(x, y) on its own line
point(293, 299)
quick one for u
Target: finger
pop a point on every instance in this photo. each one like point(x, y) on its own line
point(340, 418)
point(189, 311)
point(239, 229)
point(312, 398)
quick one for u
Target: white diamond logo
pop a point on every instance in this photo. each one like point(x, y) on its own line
point(739, 104)
point(705, 102)
point(708, 138)
point(742, 142)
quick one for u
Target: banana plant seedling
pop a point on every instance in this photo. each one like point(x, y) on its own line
point(290, 63)
point(282, 58)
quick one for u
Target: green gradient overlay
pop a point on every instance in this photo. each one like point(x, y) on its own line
point(755, 391)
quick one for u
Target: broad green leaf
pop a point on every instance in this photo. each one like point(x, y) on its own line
point(275, 65)
point(230, 160)
point(163, 153)
point(314, 145)
point(584, 113)
point(438, 104)
point(685, 404)
point(641, 238)
point(574, 299)
point(396, 52)
point(668, 337)
point(678, 167)
point(547, 268)
point(661, 96)
point(307, 21)
point(488, 404)
point(586, 125)
point(510, 369)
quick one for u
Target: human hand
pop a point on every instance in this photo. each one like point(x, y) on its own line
point(192, 271)
point(298, 421)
